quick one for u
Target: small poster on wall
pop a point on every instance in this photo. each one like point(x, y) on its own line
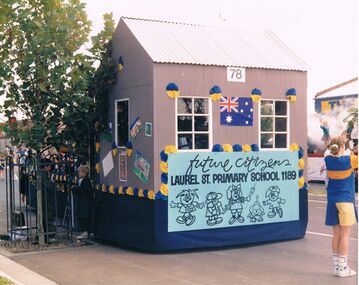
point(123, 166)
point(107, 164)
point(135, 128)
point(148, 129)
point(141, 167)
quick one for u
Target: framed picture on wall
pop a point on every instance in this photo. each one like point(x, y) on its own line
point(148, 129)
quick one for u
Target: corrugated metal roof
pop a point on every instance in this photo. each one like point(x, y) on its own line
point(168, 42)
point(349, 87)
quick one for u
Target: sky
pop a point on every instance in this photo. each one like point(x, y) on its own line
point(324, 33)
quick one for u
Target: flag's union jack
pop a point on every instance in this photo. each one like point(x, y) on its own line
point(236, 111)
point(229, 104)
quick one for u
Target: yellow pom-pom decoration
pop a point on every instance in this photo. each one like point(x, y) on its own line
point(103, 187)
point(97, 168)
point(114, 152)
point(301, 163)
point(170, 149)
point(129, 152)
point(120, 190)
point(97, 187)
point(227, 147)
point(215, 97)
point(164, 166)
point(140, 193)
point(246, 148)
point(256, 98)
point(151, 194)
point(65, 178)
point(97, 146)
point(292, 98)
point(294, 147)
point(129, 191)
point(164, 189)
point(111, 189)
point(301, 182)
point(173, 94)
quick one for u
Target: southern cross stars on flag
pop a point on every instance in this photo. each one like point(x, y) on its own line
point(236, 111)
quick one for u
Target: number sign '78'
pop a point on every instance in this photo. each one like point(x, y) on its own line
point(236, 74)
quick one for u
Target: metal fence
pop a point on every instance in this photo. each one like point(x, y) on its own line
point(53, 218)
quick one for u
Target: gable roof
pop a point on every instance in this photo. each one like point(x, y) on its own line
point(169, 42)
point(345, 88)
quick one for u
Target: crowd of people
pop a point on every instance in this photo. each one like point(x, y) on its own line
point(53, 163)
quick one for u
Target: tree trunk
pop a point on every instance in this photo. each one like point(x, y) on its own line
point(39, 200)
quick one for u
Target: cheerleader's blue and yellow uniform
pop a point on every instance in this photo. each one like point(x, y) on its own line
point(341, 190)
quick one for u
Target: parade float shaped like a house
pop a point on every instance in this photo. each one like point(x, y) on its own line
point(330, 103)
point(208, 126)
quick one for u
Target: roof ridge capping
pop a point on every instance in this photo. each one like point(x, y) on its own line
point(162, 21)
point(336, 87)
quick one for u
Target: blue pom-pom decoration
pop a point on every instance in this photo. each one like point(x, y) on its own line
point(215, 90)
point(256, 91)
point(254, 147)
point(163, 156)
point(217, 148)
point(171, 87)
point(129, 145)
point(124, 188)
point(291, 92)
point(135, 191)
point(300, 152)
point(114, 145)
point(300, 173)
point(237, 148)
point(116, 190)
point(164, 178)
point(160, 196)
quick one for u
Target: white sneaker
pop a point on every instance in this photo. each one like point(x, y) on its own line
point(84, 235)
point(335, 271)
point(345, 272)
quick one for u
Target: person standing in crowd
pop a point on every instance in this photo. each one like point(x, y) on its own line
point(84, 203)
point(2, 167)
point(341, 211)
point(48, 200)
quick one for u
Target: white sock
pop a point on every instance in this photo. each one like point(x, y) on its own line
point(335, 259)
point(342, 261)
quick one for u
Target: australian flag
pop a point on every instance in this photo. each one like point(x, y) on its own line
point(236, 111)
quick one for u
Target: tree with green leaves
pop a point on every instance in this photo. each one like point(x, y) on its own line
point(48, 76)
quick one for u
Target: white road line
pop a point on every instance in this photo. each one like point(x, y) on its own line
point(324, 235)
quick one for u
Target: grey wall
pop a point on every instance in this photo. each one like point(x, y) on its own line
point(134, 82)
point(195, 80)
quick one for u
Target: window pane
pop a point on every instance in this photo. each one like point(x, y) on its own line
point(184, 106)
point(266, 124)
point(184, 141)
point(122, 123)
point(201, 106)
point(281, 108)
point(201, 123)
point(267, 141)
point(201, 141)
point(280, 141)
point(281, 124)
point(184, 123)
point(267, 107)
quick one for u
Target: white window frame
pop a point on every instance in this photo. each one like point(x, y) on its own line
point(273, 132)
point(116, 137)
point(193, 132)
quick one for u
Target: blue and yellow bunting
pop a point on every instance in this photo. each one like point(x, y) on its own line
point(215, 93)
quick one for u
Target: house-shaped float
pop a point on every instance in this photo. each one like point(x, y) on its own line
point(190, 103)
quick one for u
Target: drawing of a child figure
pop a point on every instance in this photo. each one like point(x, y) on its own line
point(235, 203)
point(214, 208)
